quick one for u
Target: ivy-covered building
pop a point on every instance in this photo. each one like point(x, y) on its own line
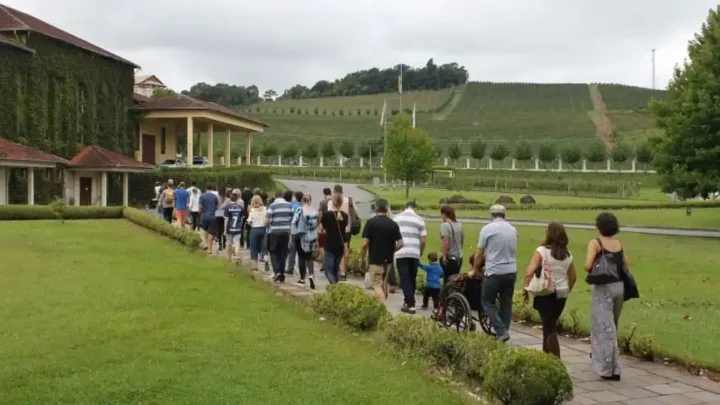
point(59, 93)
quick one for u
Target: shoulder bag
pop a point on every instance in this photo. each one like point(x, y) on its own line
point(542, 283)
point(604, 270)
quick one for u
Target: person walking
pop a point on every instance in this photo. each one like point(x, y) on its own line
point(305, 235)
point(246, 197)
point(322, 207)
point(194, 206)
point(289, 196)
point(256, 221)
point(607, 298)
point(452, 241)
point(554, 257)
point(159, 204)
point(333, 223)
point(381, 239)
point(234, 219)
point(433, 275)
point(414, 234)
point(346, 207)
point(497, 249)
point(223, 198)
point(209, 203)
point(167, 198)
point(278, 220)
point(182, 197)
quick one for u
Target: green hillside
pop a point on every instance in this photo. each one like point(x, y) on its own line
point(622, 97)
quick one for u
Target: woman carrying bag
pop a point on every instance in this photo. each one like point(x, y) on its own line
point(452, 238)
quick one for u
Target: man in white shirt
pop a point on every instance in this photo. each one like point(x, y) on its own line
point(414, 233)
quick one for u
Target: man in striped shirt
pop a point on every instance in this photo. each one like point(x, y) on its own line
point(278, 219)
point(413, 231)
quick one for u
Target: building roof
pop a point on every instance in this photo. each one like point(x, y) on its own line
point(10, 150)
point(183, 102)
point(4, 41)
point(140, 99)
point(96, 157)
point(139, 79)
point(14, 20)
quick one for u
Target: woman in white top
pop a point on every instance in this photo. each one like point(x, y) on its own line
point(256, 220)
point(194, 206)
point(558, 261)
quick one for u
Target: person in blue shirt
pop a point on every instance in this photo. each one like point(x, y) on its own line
point(181, 204)
point(432, 281)
point(208, 205)
point(295, 202)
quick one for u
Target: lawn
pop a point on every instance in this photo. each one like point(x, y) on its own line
point(678, 282)
point(104, 312)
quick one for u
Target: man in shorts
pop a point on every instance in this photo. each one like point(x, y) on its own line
point(182, 197)
point(381, 239)
point(208, 205)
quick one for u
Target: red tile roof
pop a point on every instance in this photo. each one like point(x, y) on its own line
point(183, 102)
point(10, 42)
point(14, 20)
point(10, 150)
point(97, 157)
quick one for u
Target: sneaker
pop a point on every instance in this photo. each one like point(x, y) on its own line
point(424, 307)
point(408, 309)
point(503, 338)
point(277, 278)
point(301, 283)
point(312, 282)
point(267, 267)
point(282, 278)
point(343, 277)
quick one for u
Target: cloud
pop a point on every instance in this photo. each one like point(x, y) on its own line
point(278, 43)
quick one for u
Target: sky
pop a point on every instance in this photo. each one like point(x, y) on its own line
point(276, 44)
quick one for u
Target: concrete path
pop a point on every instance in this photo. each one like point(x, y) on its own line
point(360, 195)
point(643, 383)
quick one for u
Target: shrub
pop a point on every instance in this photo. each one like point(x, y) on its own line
point(341, 112)
point(571, 323)
point(505, 199)
point(458, 199)
point(522, 309)
point(350, 306)
point(527, 199)
point(631, 342)
point(316, 111)
point(58, 208)
point(476, 348)
point(526, 377)
point(187, 237)
point(44, 212)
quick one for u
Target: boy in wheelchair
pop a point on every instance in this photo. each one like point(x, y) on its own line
point(468, 284)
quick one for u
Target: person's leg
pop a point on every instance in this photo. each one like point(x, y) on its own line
point(435, 295)
point(337, 262)
point(302, 264)
point(506, 296)
point(291, 257)
point(490, 291)
point(284, 250)
point(413, 277)
point(376, 274)
point(404, 265)
point(426, 298)
point(167, 214)
point(328, 265)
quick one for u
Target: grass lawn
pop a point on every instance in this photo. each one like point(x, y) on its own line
point(104, 312)
point(701, 218)
point(677, 277)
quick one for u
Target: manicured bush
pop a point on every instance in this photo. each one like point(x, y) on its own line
point(187, 237)
point(504, 199)
point(351, 307)
point(458, 199)
point(526, 377)
point(43, 212)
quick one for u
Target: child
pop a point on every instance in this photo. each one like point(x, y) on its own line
point(432, 281)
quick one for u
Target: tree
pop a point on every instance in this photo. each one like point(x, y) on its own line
point(621, 151)
point(571, 154)
point(290, 150)
point(596, 151)
point(523, 151)
point(477, 150)
point(644, 153)
point(270, 95)
point(547, 152)
point(409, 153)
point(269, 150)
point(453, 151)
point(310, 150)
point(347, 149)
point(499, 152)
point(163, 92)
point(328, 149)
point(224, 94)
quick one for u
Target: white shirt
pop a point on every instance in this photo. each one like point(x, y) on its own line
point(559, 267)
point(256, 217)
point(412, 228)
point(194, 203)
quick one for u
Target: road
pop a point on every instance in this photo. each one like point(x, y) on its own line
point(359, 195)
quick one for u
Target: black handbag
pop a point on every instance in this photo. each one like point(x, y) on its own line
point(630, 286)
point(604, 270)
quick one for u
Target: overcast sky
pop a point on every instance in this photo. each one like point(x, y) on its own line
point(278, 43)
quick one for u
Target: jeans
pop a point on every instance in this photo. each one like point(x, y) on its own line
point(407, 269)
point(167, 214)
point(292, 255)
point(256, 240)
point(498, 289)
point(220, 228)
point(331, 263)
point(195, 220)
point(278, 248)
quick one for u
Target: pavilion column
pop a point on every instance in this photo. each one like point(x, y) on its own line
point(190, 134)
point(248, 147)
point(76, 188)
point(3, 186)
point(227, 148)
point(103, 189)
point(30, 186)
point(126, 186)
point(210, 140)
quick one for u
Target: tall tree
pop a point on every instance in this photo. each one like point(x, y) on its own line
point(477, 150)
point(268, 151)
point(499, 152)
point(328, 149)
point(163, 92)
point(523, 151)
point(547, 152)
point(347, 149)
point(621, 151)
point(270, 95)
point(290, 150)
point(596, 151)
point(571, 154)
point(224, 94)
point(310, 150)
point(689, 150)
point(409, 153)
point(454, 152)
point(644, 153)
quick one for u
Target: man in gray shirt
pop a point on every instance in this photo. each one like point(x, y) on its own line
point(497, 249)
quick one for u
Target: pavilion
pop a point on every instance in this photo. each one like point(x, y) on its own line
point(13, 155)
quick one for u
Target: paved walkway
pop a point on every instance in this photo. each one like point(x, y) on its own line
point(643, 383)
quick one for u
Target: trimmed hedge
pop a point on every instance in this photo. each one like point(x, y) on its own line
point(650, 205)
point(44, 212)
point(185, 236)
point(351, 307)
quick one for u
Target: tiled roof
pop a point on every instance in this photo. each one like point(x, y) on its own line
point(14, 151)
point(140, 99)
point(10, 42)
point(14, 20)
point(142, 78)
point(97, 157)
point(183, 102)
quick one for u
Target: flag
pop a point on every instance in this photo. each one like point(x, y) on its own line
point(413, 116)
point(400, 83)
point(382, 115)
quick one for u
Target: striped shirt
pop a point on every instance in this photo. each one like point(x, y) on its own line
point(280, 214)
point(412, 229)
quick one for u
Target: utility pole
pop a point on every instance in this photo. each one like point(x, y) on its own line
point(653, 68)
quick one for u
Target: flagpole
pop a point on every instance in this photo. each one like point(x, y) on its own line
point(384, 148)
point(401, 73)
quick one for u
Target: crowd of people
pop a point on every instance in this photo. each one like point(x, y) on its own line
point(292, 231)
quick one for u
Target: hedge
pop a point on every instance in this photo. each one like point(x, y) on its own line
point(649, 205)
point(350, 306)
point(185, 236)
point(44, 212)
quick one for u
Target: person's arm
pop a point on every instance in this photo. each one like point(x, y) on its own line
point(445, 242)
point(572, 275)
point(200, 206)
point(398, 238)
point(531, 267)
point(268, 215)
point(592, 250)
point(625, 257)
point(480, 252)
point(424, 267)
point(366, 239)
point(423, 238)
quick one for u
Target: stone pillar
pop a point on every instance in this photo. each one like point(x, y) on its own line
point(634, 165)
point(537, 164)
point(489, 164)
point(190, 135)
point(227, 149)
point(258, 161)
point(30, 186)
point(467, 163)
point(103, 189)
point(514, 163)
point(609, 163)
point(445, 161)
point(248, 148)
point(301, 162)
point(210, 141)
point(3, 186)
point(560, 164)
point(361, 162)
point(279, 160)
point(76, 188)
point(321, 161)
point(584, 165)
point(126, 186)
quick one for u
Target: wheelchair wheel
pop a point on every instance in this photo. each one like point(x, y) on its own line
point(456, 313)
point(485, 323)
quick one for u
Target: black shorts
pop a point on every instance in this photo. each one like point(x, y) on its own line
point(209, 226)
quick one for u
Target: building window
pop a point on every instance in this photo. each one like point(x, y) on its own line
point(162, 140)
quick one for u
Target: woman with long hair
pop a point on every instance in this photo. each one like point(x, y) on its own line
point(334, 223)
point(256, 220)
point(555, 258)
point(452, 238)
point(194, 203)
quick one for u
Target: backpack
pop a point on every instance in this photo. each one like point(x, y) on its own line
point(356, 223)
point(169, 196)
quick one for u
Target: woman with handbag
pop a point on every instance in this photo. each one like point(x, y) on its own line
point(452, 238)
point(334, 222)
point(605, 262)
point(552, 263)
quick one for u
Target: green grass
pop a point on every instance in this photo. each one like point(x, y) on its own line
point(104, 312)
point(622, 97)
point(678, 282)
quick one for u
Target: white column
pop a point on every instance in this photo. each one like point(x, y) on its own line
point(514, 162)
point(537, 164)
point(210, 141)
point(190, 135)
point(258, 161)
point(228, 158)
point(321, 161)
point(301, 162)
point(634, 165)
point(608, 165)
point(279, 160)
point(489, 164)
point(584, 165)
point(30, 186)
point(560, 164)
point(342, 161)
point(76, 188)
point(248, 149)
point(445, 160)
point(103, 189)
point(467, 163)
point(126, 183)
point(3, 186)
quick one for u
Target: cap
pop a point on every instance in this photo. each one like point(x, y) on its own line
point(170, 181)
point(497, 209)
